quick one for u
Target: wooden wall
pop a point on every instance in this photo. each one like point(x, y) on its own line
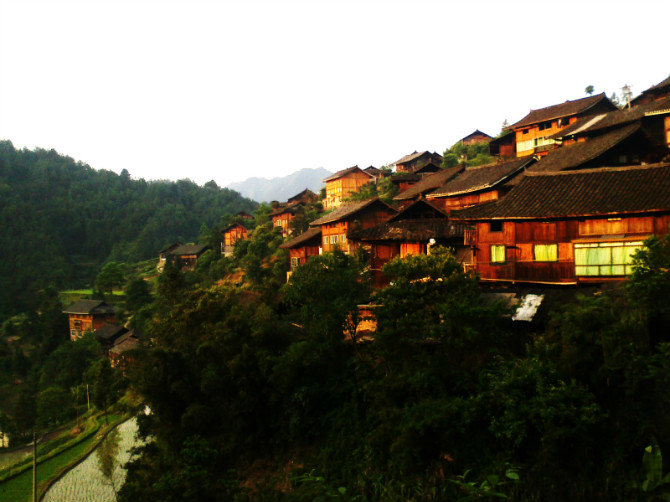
point(339, 189)
point(520, 237)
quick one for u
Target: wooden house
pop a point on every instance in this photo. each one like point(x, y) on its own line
point(652, 136)
point(475, 185)
point(186, 255)
point(283, 215)
point(89, 315)
point(231, 234)
point(351, 216)
point(377, 174)
point(426, 184)
point(569, 227)
point(306, 197)
point(504, 145)
point(404, 181)
point(163, 255)
point(119, 354)
point(620, 146)
point(475, 137)
point(411, 231)
point(303, 247)
point(108, 333)
point(532, 133)
point(412, 162)
point(655, 92)
point(341, 184)
point(243, 215)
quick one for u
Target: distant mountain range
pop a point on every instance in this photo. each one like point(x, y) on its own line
point(280, 189)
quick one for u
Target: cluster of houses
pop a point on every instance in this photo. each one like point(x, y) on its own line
point(574, 191)
point(100, 317)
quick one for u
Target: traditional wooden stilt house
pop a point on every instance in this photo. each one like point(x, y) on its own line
point(89, 315)
point(569, 227)
point(283, 215)
point(410, 163)
point(351, 216)
point(655, 92)
point(187, 255)
point(475, 185)
point(231, 234)
point(427, 184)
point(532, 133)
point(644, 129)
point(475, 137)
point(303, 247)
point(341, 184)
point(414, 230)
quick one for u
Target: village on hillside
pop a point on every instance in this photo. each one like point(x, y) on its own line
point(573, 191)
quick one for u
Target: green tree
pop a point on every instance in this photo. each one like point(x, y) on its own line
point(52, 406)
point(110, 276)
point(138, 294)
point(589, 90)
point(106, 456)
point(106, 385)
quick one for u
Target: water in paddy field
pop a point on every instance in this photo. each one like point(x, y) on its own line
point(86, 482)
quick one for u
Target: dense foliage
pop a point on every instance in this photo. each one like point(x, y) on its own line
point(476, 154)
point(62, 220)
point(264, 397)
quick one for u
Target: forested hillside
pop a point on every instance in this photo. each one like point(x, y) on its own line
point(61, 219)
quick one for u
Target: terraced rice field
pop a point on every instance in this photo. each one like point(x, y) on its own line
point(86, 483)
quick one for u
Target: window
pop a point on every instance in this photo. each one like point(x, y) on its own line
point(605, 258)
point(325, 240)
point(333, 239)
point(295, 262)
point(343, 238)
point(496, 226)
point(497, 253)
point(545, 252)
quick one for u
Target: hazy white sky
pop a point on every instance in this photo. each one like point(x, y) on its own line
point(226, 90)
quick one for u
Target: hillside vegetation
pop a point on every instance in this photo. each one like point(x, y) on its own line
point(62, 219)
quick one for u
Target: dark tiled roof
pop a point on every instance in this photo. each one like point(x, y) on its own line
point(306, 193)
point(170, 247)
point(419, 209)
point(563, 110)
point(591, 125)
point(481, 177)
point(430, 182)
point(90, 307)
point(124, 343)
point(109, 331)
point(604, 191)
point(344, 172)
point(475, 134)
point(409, 230)
point(303, 239)
point(189, 249)
point(348, 210)
point(661, 86)
point(416, 155)
point(429, 167)
point(291, 208)
point(572, 156)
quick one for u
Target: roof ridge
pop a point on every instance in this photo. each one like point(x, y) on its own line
point(598, 170)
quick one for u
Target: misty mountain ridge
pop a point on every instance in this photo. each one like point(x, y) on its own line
point(281, 188)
